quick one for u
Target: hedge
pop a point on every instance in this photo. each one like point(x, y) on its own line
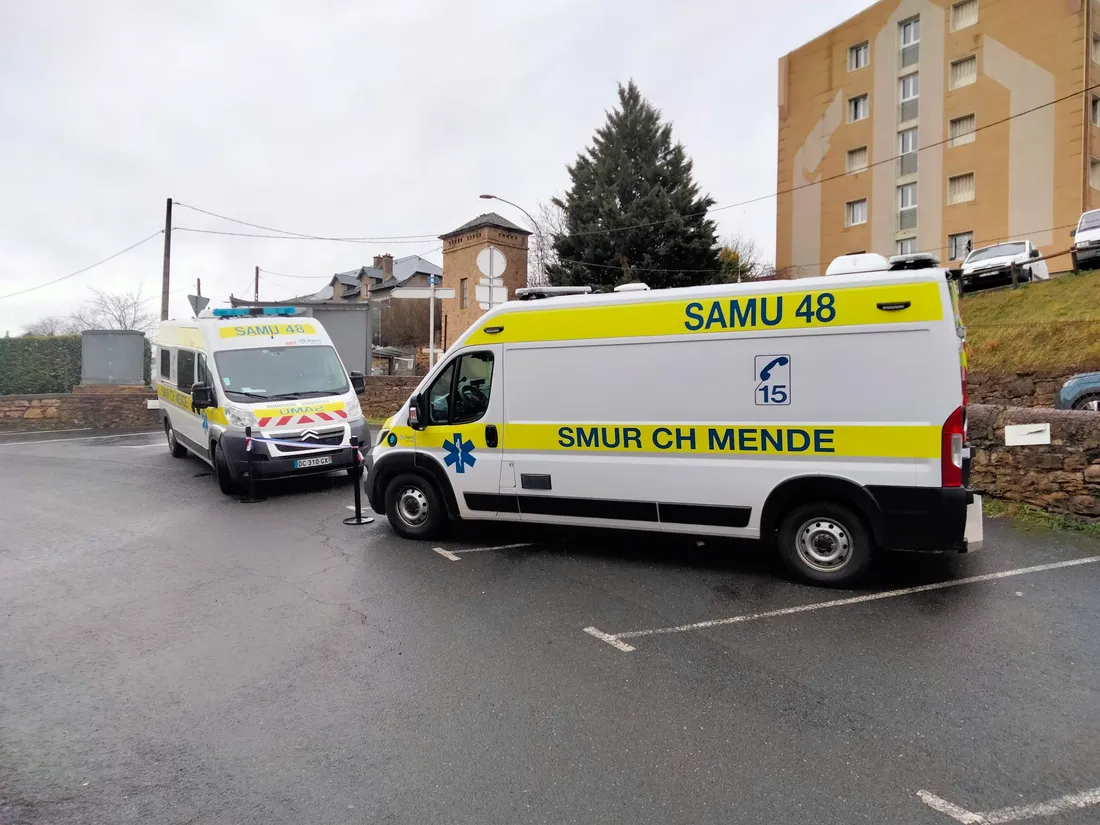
point(34, 365)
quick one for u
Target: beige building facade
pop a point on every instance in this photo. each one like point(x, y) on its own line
point(460, 272)
point(931, 126)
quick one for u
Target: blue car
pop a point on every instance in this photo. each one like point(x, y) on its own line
point(1080, 392)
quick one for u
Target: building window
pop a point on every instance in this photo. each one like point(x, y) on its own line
point(166, 364)
point(963, 14)
point(907, 246)
point(961, 130)
point(857, 159)
point(907, 206)
point(907, 152)
point(960, 188)
point(1095, 111)
point(855, 213)
point(908, 95)
point(859, 56)
point(463, 292)
point(1096, 48)
point(857, 108)
point(1094, 173)
point(909, 35)
point(964, 72)
point(959, 245)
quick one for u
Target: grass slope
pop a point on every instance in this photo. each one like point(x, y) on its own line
point(1047, 326)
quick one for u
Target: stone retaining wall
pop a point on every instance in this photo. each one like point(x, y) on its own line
point(67, 411)
point(1034, 389)
point(386, 393)
point(1063, 476)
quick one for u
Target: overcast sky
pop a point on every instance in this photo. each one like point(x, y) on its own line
point(359, 118)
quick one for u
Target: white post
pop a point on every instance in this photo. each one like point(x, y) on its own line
point(431, 323)
point(490, 276)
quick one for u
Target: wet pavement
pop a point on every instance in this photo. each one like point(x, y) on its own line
point(169, 655)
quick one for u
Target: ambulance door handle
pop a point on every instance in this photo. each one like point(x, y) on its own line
point(893, 306)
point(491, 435)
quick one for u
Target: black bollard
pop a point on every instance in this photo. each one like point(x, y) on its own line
point(250, 498)
point(358, 519)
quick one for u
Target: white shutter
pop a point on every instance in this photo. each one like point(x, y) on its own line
point(962, 130)
point(856, 212)
point(964, 72)
point(960, 188)
point(857, 159)
point(964, 14)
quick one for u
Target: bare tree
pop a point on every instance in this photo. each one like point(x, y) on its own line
point(739, 258)
point(51, 325)
point(404, 323)
point(549, 221)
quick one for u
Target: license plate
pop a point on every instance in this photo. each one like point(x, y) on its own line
point(320, 461)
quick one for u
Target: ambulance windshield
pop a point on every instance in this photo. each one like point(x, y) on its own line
point(280, 372)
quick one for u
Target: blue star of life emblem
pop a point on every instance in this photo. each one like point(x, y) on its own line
point(205, 422)
point(459, 453)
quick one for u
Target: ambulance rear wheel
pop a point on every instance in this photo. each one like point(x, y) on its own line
point(825, 543)
point(413, 506)
point(174, 447)
point(222, 475)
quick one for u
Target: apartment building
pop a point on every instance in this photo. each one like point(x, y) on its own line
point(932, 126)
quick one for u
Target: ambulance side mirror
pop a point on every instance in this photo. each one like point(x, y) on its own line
point(418, 416)
point(358, 382)
point(202, 397)
point(1072, 232)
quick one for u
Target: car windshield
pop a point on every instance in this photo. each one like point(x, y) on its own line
point(996, 252)
point(280, 372)
point(1090, 220)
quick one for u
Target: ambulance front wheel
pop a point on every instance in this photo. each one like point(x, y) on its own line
point(414, 507)
point(825, 543)
point(222, 474)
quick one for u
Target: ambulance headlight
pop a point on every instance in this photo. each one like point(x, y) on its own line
point(354, 410)
point(239, 417)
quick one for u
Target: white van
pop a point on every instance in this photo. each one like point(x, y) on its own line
point(826, 413)
point(1086, 241)
point(280, 377)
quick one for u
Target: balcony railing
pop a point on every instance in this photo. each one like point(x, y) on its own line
point(908, 110)
point(910, 55)
point(907, 218)
point(907, 164)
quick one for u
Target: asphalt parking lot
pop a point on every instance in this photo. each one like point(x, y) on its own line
point(169, 655)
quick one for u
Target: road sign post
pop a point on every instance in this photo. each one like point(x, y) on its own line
point(431, 292)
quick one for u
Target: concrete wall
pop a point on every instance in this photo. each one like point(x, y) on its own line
point(1063, 476)
point(1030, 172)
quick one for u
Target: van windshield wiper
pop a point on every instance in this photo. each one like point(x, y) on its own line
point(306, 394)
point(251, 394)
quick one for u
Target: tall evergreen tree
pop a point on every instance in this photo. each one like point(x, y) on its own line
point(637, 183)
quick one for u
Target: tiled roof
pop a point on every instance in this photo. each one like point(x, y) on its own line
point(487, 219)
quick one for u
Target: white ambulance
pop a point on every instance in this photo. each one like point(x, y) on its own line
point(825, 414)
point(261, 370)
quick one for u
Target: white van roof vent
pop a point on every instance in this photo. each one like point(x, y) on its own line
point(634, 287)
point(860, 262)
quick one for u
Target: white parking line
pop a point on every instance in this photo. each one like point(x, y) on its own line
point(77, 438)
point(1069, 802)
point(446, 554)
point(497, 547)
point(803, 608)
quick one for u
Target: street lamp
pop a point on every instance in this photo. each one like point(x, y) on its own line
point(534, 223)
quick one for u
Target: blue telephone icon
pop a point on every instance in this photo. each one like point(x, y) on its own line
point(781, 361)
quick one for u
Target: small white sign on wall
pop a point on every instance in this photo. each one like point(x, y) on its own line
point(1020, 435)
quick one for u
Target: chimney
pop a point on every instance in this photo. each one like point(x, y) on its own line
point(377, 262)
point(387, 264)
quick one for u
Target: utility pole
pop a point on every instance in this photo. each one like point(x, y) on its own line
point(167, 261)
point(431, 322)
point(256, 288)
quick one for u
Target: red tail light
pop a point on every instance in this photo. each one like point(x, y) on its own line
point(951, 449)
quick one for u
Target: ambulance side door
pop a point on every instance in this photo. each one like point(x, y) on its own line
point(464, 431)
point(188, 422)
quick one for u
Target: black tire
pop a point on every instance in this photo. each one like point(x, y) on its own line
point(414, 507)
point(811, 533)
point(222, 474)
point(1085, 402)
point(1073, 259)
point(174, 447)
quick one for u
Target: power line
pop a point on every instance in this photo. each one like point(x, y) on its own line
point(290, 237)
point(305, 236)
point(85, 269)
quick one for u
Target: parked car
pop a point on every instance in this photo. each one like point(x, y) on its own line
point(1080, 392)
point(993, 264)
point(1086, 241)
